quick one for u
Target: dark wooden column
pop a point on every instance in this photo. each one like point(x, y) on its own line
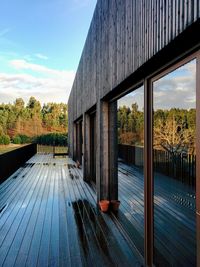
point(80, 137)
point(106, 169)
point(74, 145)
point(86, 147)
point(102, 172)
point(77, 142)
point(113, 151)
point(148, 173)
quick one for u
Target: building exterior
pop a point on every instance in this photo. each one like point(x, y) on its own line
point(131, 44)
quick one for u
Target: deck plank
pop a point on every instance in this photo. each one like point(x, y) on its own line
point(28, 235)
point(43, 255)
point(74, 247)
point(12, 224)
point(114, 240)
point(27, 218)
point(52, 220)
point(37, 234)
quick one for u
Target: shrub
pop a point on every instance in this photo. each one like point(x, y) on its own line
point(17, 140)
point(4, 140)
point(25, 139)
point(52, 139)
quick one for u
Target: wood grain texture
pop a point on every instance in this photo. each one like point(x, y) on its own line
point(124, 35)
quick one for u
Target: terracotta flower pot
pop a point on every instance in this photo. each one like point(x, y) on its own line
point(114, 205)
point(104, 205)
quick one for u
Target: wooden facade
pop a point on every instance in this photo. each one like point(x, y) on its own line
point(128, 43)
point(123, 36)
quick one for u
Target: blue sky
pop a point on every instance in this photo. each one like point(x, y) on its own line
point(40, 46)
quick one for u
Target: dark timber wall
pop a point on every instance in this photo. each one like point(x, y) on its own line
point(124, 34)
point(127, 41)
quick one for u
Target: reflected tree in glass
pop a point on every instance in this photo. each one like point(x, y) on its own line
point(174, 126)
point(131, 162)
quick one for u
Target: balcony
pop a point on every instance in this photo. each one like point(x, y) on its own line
point(49, 217)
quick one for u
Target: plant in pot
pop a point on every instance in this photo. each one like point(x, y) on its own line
point(104, 205)
point(114, 204)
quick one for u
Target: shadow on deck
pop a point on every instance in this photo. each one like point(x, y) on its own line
point(49, 217)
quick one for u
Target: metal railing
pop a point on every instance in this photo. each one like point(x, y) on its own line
point(179, 166)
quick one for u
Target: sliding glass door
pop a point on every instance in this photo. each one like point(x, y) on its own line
point(174, 167)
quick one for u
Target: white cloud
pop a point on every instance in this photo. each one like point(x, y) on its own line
point(52, 85)
point(177, 89)
point(41, 56)
point(21, 64)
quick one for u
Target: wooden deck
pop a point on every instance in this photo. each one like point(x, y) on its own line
point(49, 217)
point(174, 215)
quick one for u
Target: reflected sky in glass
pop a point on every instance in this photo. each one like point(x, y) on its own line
point(176, 89)
point(136, 96)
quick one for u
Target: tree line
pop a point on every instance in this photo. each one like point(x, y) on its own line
point(21, 123)
point(173, 129)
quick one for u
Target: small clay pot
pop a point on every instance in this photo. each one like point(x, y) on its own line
point(104, 205)
point(114, 204)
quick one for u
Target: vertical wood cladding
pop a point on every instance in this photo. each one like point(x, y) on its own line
point(124, 34)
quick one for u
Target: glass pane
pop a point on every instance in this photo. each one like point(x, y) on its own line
point(131, 163)
point(174, 118)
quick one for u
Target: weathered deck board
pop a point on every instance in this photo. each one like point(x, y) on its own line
point(109, 228)
point(51, 219)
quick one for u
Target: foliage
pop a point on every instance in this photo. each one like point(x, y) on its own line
point(173, 129)
point(175, 133)
point(17, 140)
point(22, 120)
point(4, 139)
point(22, 139)
point(130, 125)
point(52, 139)
point(25, 139)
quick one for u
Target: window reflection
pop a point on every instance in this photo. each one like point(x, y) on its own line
point(131, 162)
point(174, 125)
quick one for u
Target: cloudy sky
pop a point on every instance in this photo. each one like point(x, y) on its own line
point(137, 96)
point(175, 90)
point(40, 46)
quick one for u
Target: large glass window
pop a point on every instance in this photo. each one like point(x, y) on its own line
point(174, 154)
point(131, 163)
